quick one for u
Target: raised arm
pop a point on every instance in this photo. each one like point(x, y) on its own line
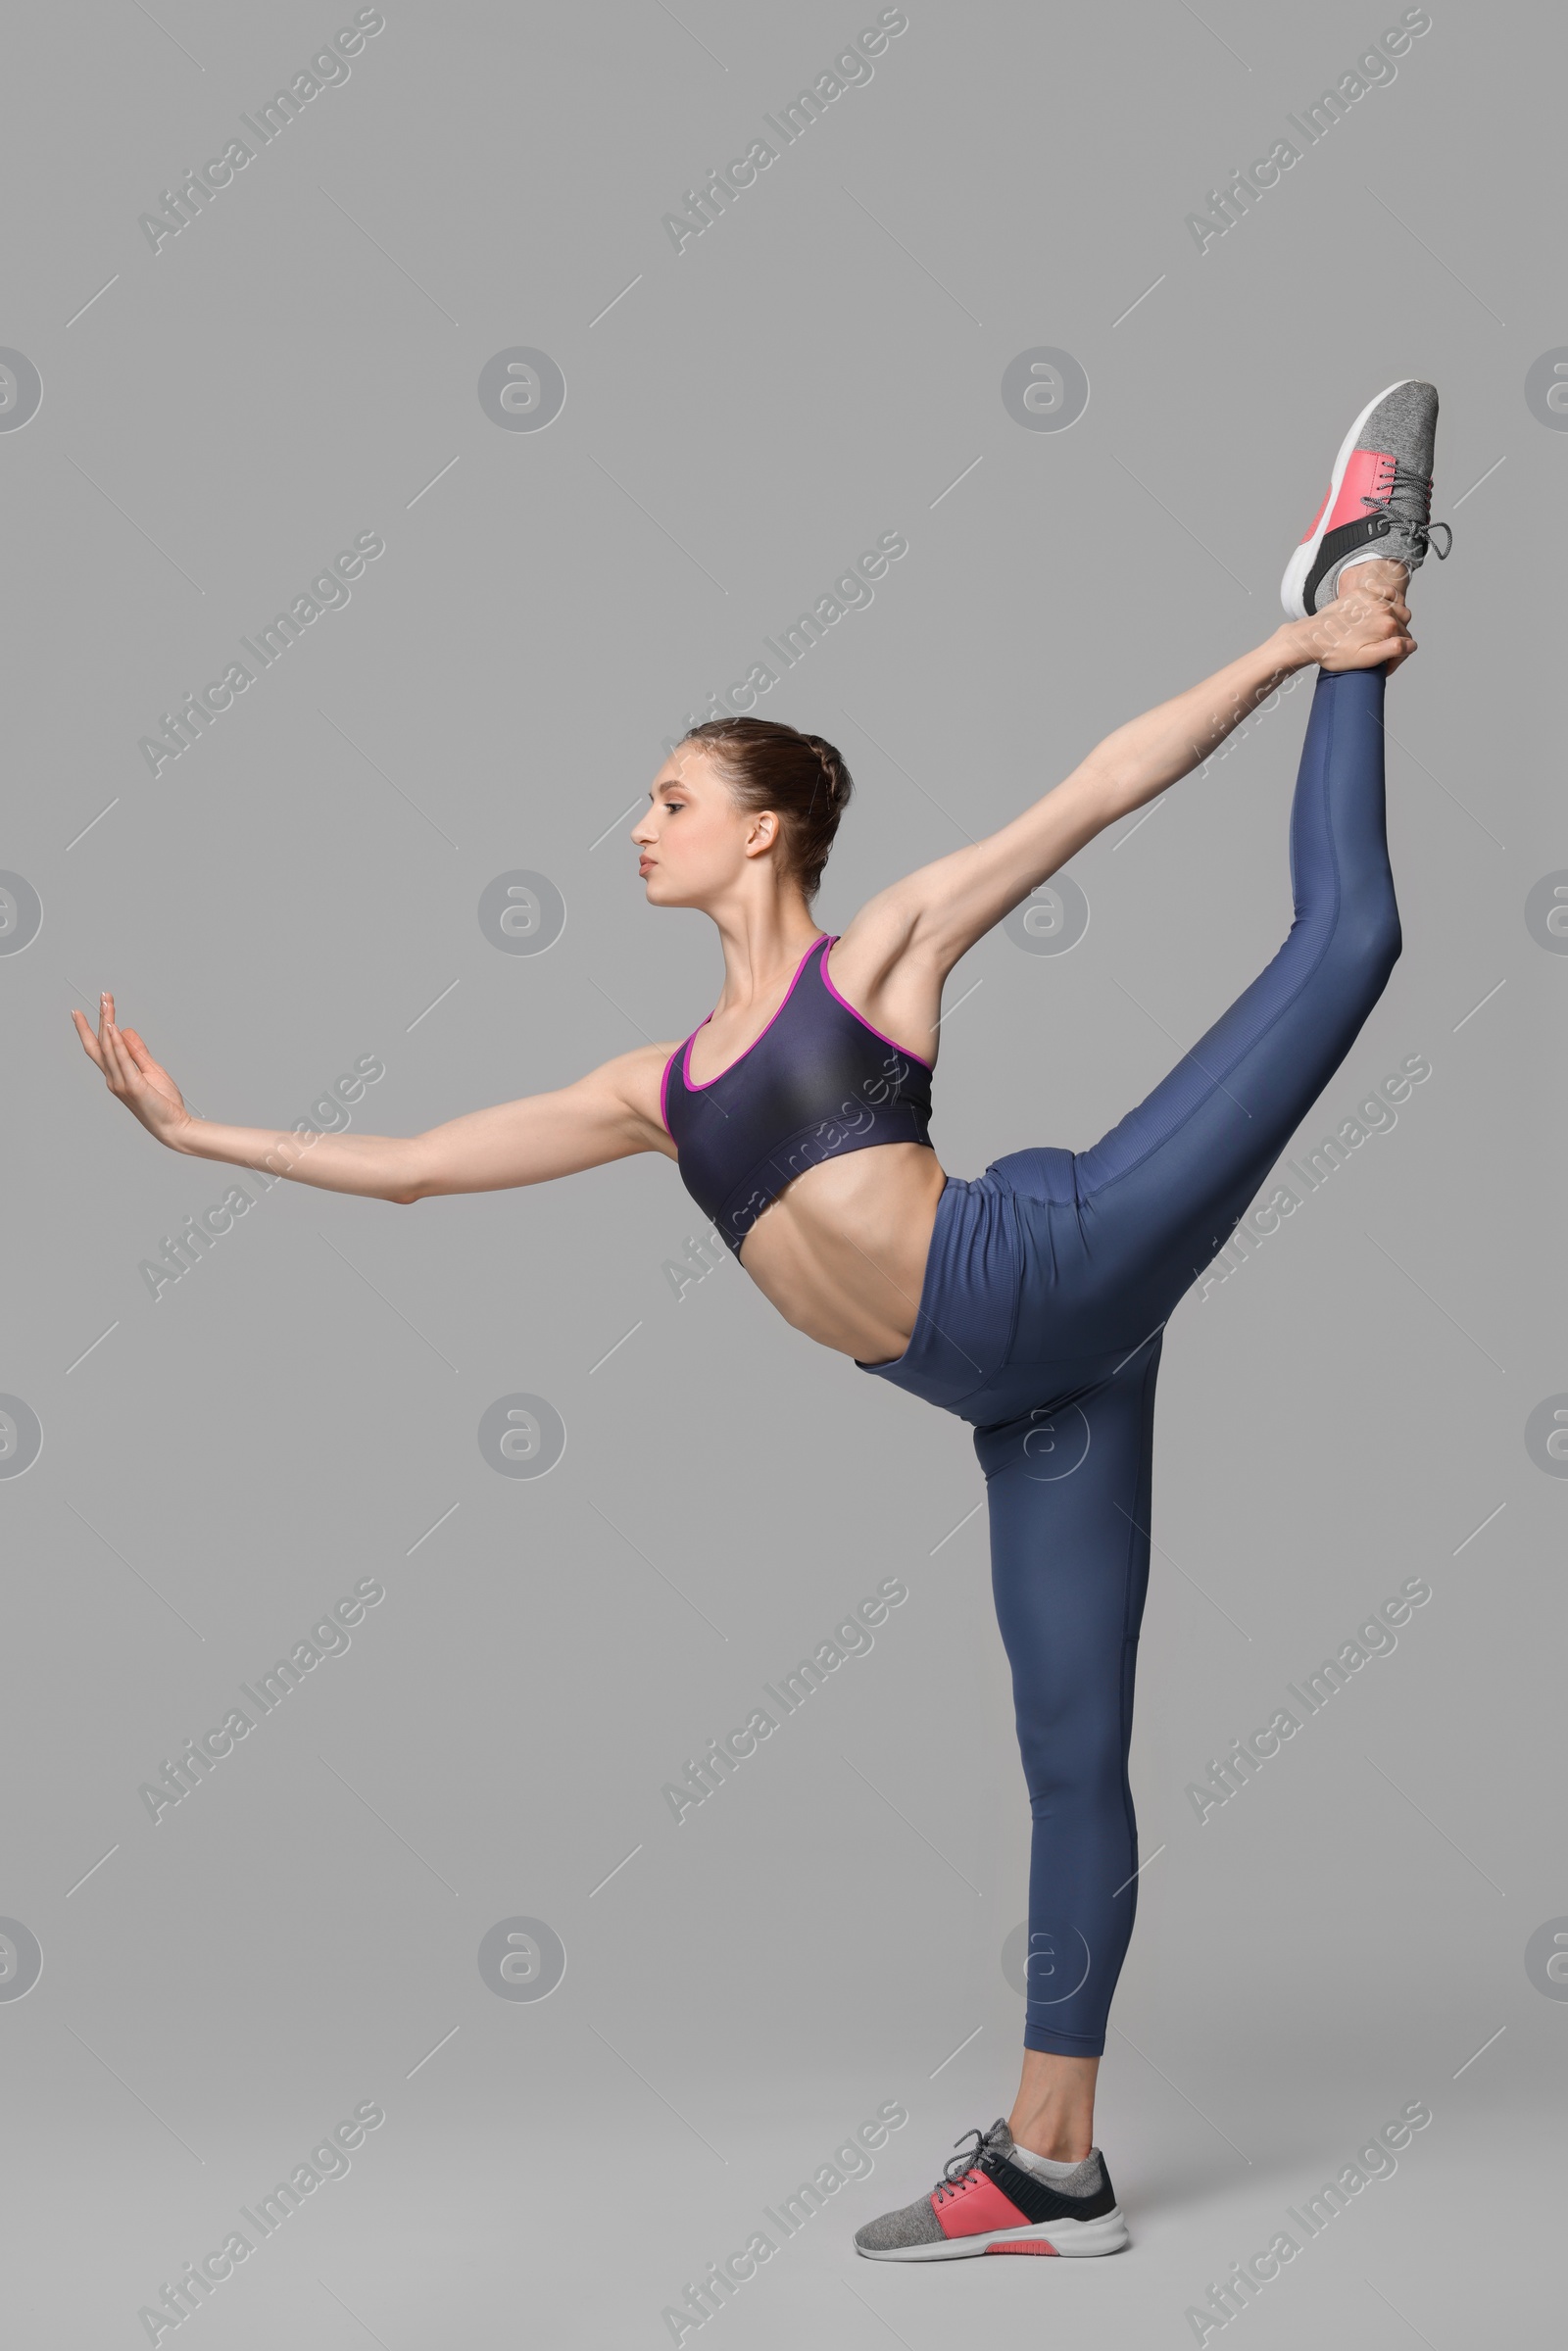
point(606, 1115)
point(935, 915)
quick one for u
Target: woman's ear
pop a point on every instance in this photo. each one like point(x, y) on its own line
point(763, 833)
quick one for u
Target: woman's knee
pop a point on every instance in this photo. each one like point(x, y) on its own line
point(1374, 940)
point(1075, 1767)
point(1364, 944)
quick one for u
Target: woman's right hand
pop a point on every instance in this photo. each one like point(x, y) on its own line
point(1366, 623)
point(133, 1077)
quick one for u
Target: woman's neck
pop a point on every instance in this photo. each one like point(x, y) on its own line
point(762, 945)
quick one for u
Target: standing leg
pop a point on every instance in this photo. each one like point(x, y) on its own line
point(1069, 1504)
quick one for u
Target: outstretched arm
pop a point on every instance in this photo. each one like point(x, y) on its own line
point(935, 915)
point(606, 1115)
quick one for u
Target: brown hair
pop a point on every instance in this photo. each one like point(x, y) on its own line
point(802, 778)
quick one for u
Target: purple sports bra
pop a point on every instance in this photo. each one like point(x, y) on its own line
point(820, 1081)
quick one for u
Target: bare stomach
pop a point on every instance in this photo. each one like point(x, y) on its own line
point(841, 1251)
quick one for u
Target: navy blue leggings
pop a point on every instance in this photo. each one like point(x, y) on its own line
point(1049, 1284)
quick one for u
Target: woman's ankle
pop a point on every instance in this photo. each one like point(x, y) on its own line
point(1379, 575)
point(1058, 2138)
point(1054, 2113)
point(1063, 2148)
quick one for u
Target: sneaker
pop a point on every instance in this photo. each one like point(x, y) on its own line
point(986, 2203)
point(1379, 501)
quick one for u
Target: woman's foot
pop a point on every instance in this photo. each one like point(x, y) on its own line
point(1379, 502)
point(994, 2198)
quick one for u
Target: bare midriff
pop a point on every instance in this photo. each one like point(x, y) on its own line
point(842, 1251)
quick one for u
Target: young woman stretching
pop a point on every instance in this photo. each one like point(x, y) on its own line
point(1030, 1300)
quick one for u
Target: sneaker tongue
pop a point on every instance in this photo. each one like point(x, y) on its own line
point(998, 2137)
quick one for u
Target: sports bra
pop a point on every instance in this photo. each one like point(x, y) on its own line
point(818, 1082)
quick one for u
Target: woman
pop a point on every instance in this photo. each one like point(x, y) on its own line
point(1031, 1301)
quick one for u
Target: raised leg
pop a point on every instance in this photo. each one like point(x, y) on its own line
point(1159, 1194)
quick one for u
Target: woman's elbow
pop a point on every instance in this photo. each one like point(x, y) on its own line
point(415, 1176)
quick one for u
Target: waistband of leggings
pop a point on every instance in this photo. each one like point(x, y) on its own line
point(968, 1298)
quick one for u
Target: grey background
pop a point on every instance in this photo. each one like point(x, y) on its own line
point(301, 1409)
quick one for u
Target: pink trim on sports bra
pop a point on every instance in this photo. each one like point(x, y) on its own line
point(700, 1085)
point(828, 978)
point(664, 1091)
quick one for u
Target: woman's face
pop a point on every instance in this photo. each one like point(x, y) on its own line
point(695, 841)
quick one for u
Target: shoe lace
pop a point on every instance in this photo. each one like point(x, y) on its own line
point(957, 2167)
point(1409, 495)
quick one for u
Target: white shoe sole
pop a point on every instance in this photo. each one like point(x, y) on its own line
point(1108, 2234)
point(1293, 587)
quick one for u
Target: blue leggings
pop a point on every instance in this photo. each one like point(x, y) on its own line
point(1047, 1290)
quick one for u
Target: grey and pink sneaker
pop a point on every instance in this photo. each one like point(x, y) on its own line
point(1379, 501)
point(987, 2203)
